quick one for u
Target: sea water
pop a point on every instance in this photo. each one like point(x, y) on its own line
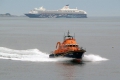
point(25, 45)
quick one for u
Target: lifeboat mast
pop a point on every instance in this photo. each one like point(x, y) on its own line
point(68, 35)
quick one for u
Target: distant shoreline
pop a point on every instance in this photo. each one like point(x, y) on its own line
point(9, 15)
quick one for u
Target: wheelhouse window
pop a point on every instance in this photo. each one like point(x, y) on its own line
point(71, 45)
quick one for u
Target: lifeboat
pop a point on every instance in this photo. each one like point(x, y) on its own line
point(68, 48)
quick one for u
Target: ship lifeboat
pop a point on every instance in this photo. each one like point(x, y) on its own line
point(68, 48)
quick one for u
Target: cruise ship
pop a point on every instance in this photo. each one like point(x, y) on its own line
point(65, 12)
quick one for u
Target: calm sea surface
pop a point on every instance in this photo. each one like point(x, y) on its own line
point(25, 44)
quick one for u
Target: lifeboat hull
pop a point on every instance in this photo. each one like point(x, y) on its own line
point(71, 54)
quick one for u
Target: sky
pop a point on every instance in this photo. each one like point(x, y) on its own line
point(92, 7)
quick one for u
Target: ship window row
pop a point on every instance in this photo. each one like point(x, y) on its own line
point(71, 45)
point(72, 11)
point(69, 11)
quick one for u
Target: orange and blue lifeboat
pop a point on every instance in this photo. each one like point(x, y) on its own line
point(68, 48)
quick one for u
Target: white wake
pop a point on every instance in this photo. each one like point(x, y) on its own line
point(37, 56)
point(24, 55)
point(93, 58)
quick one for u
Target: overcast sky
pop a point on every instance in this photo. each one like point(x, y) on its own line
point(92, 7)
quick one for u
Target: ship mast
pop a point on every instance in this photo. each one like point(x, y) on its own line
point(68, 35)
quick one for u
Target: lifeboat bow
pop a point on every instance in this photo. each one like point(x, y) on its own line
point(68, 48)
